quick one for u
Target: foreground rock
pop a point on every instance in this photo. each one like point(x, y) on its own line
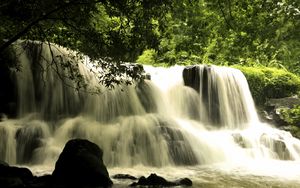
point(80, 165)
point(14, 176)
point(155, 180)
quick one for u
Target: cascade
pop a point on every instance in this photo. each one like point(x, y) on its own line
point(181, 116)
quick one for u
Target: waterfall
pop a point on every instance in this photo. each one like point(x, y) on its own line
point(181, 116)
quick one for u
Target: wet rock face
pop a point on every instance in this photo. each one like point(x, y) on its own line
point(146, 97)
point(26, 145)
point(238, 139)
point(198, 78)
point(287, 102)
point(8, 98)
point(191, 77)
point(80, 164)
point(272, 110)
point(276, 145)
point(179, 148)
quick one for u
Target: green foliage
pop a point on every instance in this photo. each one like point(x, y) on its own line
point(147, 58)
point(295, 131)
point(116, 31)
point(248, 32)
point(264, 33)
point(291, 116)
point(265, 82)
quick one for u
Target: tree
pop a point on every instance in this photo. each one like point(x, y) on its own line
point(113, 30)
point(256, 32)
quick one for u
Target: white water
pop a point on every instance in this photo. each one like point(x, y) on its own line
point(159, 126)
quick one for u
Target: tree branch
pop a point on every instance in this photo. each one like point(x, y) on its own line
point(223, 13)
point(35, 22)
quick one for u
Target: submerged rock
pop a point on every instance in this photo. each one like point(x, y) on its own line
point(28, 139)
point(155, 180)
point(80, 164)
point(124, 176)
point(240, 140)
point(276, 145)
point(145, 93)
point(179, 148)
point(184, 181)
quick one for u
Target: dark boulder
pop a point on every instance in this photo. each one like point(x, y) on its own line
point(184, 181)
point(155, 180)
point(191, 77)
point(14, 176)
point(45, 181)
point(200, 79)
point(8, 171)
point(80, 164)
point(2, 163)
point(11, 182)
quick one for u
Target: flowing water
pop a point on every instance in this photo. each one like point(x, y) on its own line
point(198, 122)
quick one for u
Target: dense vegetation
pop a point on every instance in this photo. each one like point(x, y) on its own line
point(118, 29)
point(266, 82)
point(291, 117)
point(251, 33)
point(113, 30)
point(261, 38)
point(231, 32)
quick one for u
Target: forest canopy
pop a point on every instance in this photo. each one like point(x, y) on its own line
point(256, 32)
point(98, 28)
point(116, 31)
point(249, 32)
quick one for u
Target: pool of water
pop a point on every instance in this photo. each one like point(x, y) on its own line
point(266, 174)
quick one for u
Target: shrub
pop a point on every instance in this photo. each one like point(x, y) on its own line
point(147, 58)
point(265, 83)
point(291, 116)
